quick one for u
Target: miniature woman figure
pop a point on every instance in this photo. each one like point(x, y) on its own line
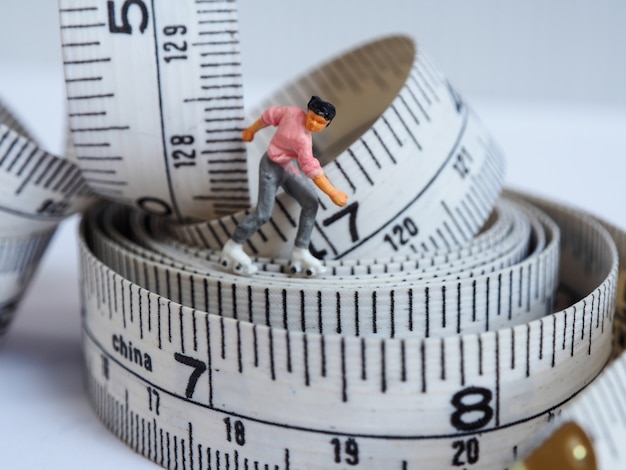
point(287, 163)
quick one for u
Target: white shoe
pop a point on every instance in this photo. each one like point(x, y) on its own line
point(303, 262)
point(236, 260)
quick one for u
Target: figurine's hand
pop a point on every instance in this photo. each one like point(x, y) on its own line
point(336, 195)
point(339, 197)
point(247, 135)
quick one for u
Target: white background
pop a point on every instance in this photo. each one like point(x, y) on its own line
point(547, 77)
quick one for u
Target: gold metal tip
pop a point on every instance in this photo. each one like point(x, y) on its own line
point(569, 448)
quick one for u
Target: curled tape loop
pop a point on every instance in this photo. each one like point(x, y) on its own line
point(400, 124)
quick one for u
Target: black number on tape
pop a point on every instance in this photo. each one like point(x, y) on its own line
point(462, 163)
point(472, 408)
point(458, 101)
point(126, 28)
point(182, 140)
point(174, 30)
point(467, 452)
point(320, 254)
point(171, 46)
point(350, 449)
point(402, 233)
point(199, 368)
point(185, 157)
point(350, 210)
point(239, 434)
point(51, 207)
point(154, 401)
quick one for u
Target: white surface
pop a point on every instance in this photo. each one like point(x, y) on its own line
point(570, 152)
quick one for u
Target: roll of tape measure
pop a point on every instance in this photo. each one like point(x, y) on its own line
point(440, 337)
point(306, 383)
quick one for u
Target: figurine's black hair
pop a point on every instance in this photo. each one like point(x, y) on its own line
point(322, 108)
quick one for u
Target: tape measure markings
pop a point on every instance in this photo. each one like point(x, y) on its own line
point(545, 333)
point(536, 335)
point(18, 259)
point(601, 413)
point(199, 235)
point(18, 253)
point(285, 362)
point(425, 188)
point(306, 343)
point(52, 188)
point(164, 447)
point(528, 298)
point(7, 118)
point(11, 145)
point(229, 135)
point(364, 171)
point(507, 242)
point(39, 190)
point(167, 125)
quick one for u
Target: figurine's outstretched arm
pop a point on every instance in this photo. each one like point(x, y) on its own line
point(336, 195)
point(248, 133)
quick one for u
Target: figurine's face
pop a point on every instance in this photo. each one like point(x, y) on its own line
point(315, 122)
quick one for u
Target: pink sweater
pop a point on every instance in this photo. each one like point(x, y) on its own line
point(292, 141)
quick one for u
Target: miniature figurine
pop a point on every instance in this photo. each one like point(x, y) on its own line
point(288, 163)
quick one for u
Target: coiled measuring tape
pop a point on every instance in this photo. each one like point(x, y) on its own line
point(428, 344)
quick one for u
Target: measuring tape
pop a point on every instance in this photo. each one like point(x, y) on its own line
point(594, 441)
point(184, 140)
point(452, 327)
point(37, 191)
point(400, 125)
point(271, 358)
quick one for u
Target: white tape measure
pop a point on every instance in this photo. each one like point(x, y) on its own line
point(152, 48)
point(428, 344)
point(37, 191)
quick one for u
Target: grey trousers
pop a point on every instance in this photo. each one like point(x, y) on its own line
point(271, 177)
